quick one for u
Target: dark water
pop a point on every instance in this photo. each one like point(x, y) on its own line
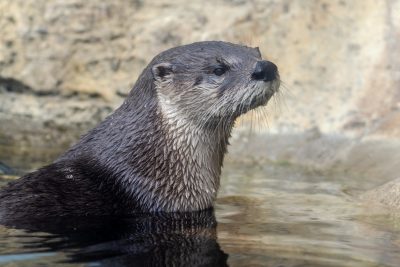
point(266, 215)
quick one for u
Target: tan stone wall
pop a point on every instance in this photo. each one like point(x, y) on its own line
point(72, 61)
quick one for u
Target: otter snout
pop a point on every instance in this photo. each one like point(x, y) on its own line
point(265, 71)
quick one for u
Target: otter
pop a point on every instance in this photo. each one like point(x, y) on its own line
point(162, 150)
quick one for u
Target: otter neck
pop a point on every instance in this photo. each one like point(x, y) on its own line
point(161, 163)
point(177, 165)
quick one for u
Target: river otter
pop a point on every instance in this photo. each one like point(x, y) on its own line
point(163, 148)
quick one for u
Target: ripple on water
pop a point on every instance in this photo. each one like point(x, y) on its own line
point(268, 215)
point(288, 216)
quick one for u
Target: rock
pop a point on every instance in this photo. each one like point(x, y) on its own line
point(387, 195)
point(5, 170)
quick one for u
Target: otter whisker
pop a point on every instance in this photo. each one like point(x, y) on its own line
point(258, 119)
point(264, 114)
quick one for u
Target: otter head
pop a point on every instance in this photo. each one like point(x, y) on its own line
point(210, 84)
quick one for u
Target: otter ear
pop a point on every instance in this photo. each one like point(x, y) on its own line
point(163, 71)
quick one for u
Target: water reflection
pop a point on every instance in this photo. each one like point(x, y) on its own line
point(185, 239)
point(268, 215)
point(271, 215)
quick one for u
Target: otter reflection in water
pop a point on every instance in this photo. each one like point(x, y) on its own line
point(163, 149)
point(168, 239)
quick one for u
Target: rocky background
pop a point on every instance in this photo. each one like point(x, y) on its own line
point(66, 64)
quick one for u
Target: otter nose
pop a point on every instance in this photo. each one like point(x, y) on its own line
point(265, 71)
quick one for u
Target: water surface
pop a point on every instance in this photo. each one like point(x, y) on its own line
point(266, 215)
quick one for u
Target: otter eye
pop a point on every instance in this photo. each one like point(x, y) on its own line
point(219, 71)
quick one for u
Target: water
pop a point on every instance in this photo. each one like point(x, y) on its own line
point(266, 215)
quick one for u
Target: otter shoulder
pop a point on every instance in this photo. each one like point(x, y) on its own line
point(59, 189)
